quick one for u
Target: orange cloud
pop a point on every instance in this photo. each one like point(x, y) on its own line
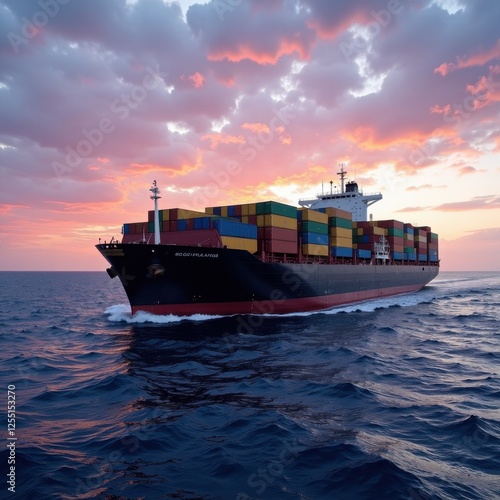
point(219, 138)
point(198, 79)
point(478, 59)
point(245, 51)
point(257, 127)
point(365, 138)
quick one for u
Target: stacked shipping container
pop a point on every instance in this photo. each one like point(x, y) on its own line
point(340, 228)
point(276, 228)
point(313, 232)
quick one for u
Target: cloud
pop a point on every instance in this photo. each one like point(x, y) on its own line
point(478, 59)
point(266, 95)
point(490, 202)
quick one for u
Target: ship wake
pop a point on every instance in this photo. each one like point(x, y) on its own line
point(121, 313)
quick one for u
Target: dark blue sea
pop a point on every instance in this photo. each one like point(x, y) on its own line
point(396, 398)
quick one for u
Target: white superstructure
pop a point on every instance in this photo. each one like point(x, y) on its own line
point(350, 198)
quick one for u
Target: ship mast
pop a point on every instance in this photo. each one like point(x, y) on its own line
point(342, 174)
point(155, 196)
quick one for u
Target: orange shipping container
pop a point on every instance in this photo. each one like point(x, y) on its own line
point(341, 242)
point(312, 249)
point(341, 232)
point(313, 215)
point(277, 221)
point(240, 243)
point(336, 212)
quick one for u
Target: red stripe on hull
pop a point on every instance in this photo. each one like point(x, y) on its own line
point(275, 306)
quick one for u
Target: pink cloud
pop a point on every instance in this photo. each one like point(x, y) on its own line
point(478, 59)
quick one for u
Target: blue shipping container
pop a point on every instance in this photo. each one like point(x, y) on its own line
point(126, 229)
point(422, 257)
point(397, 255)
point(410, 256)
point(364, 254)
point(234, 228)
point(341, 252)
point(315, 238)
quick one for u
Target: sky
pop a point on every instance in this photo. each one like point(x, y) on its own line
point(234, 101)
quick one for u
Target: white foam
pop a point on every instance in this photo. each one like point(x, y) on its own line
point(122, 313)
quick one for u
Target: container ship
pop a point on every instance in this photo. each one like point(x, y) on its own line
point(269, 257)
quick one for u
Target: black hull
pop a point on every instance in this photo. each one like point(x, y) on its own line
point(186, 280)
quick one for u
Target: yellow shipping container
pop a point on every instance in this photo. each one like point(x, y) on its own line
point(209, 210)
point(184, 213)
point(380, 231)
point(313, 215)
point(223, 211)
point(244, 210)
point(240, 243)
point(336, 212)
point(312, 249)
point(341, 232)
point(164, 214)
point(340, 242)
point(273, 220)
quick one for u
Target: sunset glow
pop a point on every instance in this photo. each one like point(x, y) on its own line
point(230, 102)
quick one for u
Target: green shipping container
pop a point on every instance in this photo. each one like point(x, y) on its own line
point(394, 231)
point(310, 226)
point(340, 222)
point(151, 227)
point(276, 208)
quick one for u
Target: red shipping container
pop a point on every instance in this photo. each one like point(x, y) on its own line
point(395, 240)
point(390, 223)
point(279, 246)
point(209, 237)
point(280, 233)
point(364, 246)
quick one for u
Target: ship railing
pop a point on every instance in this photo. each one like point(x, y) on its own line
point(337, 194)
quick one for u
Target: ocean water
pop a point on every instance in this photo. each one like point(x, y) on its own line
point(393, 398)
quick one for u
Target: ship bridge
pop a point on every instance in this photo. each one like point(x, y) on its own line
point(350, 199)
